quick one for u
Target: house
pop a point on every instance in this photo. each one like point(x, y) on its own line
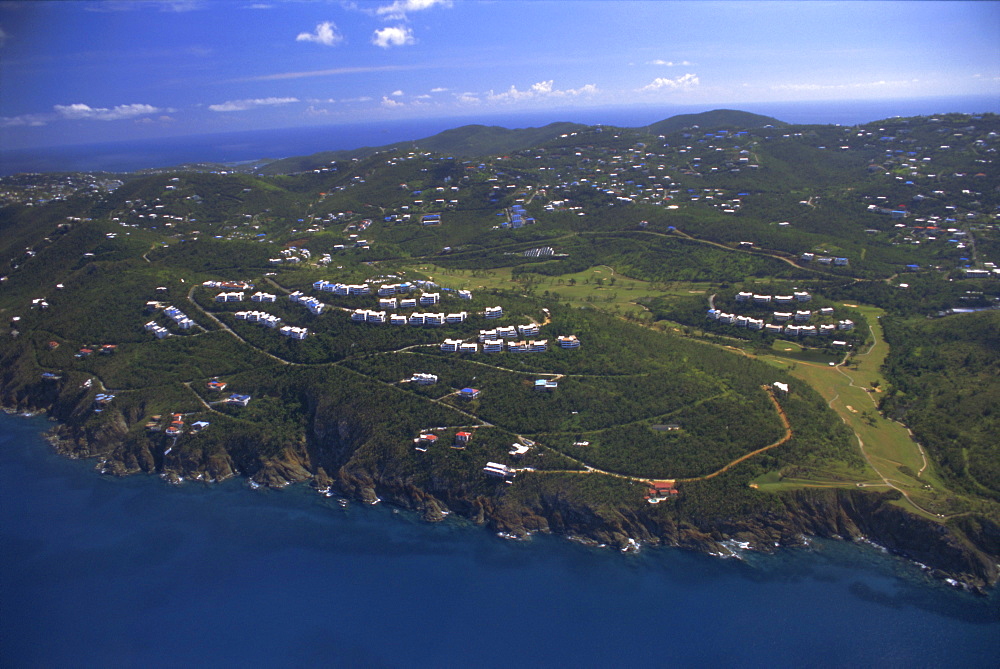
point(387, 303)
point(845, 324)
point(471, 347)
point(456, 318)
point(422, 379)
point(802, 316)
point(546, 384)
point(802, 296)
point(433, 319)
point(807, 257)
point(425, 440)
point(762, 299)
point(770, 328)
point(462, 439)
point(359, 315)
point(508, 332)
point(377, 317)
point(826, 330)
point(783, 299)
point(498, 470)
point(493, 346)
point(469, 393)
point(427, 299)
point(783, 387)
point(826, 311)
point(397, 320)
point(465, 294)
point(744, 296)
point(840, 262)
point(216, 385)
point(568, 341)
point(108, 349)
point(408, 304)
point(451, 345)
point(538, 346)
point(263, 297)
point(837, 343)
point(517, 347)
point(529, 330)
point(416, 318)
point(493, 312)
point(238, 399)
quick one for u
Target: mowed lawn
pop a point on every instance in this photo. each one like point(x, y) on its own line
point(597, 287)
point(852, 391)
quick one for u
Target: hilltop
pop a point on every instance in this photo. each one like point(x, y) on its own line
point(698, 333)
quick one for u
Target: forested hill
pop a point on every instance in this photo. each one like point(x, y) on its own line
point(467, 141)
point(471, 141)
point(712, 120)
point(623, 334)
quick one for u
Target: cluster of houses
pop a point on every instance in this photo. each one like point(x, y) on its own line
point(517, 218)
point(179, 318)
point(315, 306)
point(229, 285)
point(824, 260)
point(426, 439)
point(416, 318)
point(260, 317)
point(497, 345)
point(758, 324)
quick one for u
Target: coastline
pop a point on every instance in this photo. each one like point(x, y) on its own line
point(853, 516)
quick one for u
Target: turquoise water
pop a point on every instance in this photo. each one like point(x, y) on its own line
point(102, 572)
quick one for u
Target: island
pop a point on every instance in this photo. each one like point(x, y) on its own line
point(720, 331)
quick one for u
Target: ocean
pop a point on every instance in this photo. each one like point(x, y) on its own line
point(105, 572)
point(234, 147)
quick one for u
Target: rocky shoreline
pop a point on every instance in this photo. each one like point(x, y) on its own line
point(965, 555)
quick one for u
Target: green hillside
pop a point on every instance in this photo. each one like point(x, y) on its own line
point(734, 289)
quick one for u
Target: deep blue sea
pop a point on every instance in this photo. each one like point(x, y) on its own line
point(105, 572)
point(253, 145)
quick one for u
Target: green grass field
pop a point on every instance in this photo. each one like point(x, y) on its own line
point(894, 458)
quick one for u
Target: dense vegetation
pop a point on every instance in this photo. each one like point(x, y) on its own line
point(622, 237)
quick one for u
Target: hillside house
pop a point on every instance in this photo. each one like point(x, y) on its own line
point(216, 385)
point(457, 317)
point(493, 312)
point(238, 399)
point(493, 346)
point(469, 393)
point(465, 294)
point(462, 439)
point(802, 296)
point(529, 330)
point(770, 328)
point(568, 341)
point(471, 347)
point(546, 384)
point(423, 379)
point(783, 299)
point(263, 297)
point(451, 345)
point(802, 316)
point(845, 324)
point(387, 303)
point(761, 299)
point(508, 332)
point(499, 470)
point(397, 319)
point(433, 319)
point(424, 440)
point(408, 304)
point(294, 332)
point(361, 315)
point(743, 297)
point(427, 299)
point(376, 317)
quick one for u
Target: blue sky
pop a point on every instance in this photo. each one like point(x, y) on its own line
point(75, 72)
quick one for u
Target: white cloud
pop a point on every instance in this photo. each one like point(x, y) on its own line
point(326, 33)
point(424, 97)
point(393, 36)
point(3, 37)
point(468, 98)
point(390, 103)
point(839, 87)
point(679, 83)
point(243, 105)
point(314, 111)
point(396, 94)
point(82, 111)
point(439, 89)
point(398, 10)
point(541, 89)
point(669, 63)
